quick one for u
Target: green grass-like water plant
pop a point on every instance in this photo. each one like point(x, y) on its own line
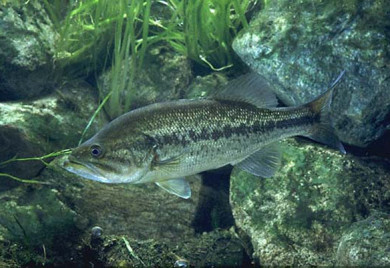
point(96, 34)
point(38, 158)
point(126, 43)
point(203, 30)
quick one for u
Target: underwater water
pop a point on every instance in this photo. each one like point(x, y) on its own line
point(194, 133)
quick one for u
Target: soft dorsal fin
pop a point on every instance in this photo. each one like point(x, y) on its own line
point(264, 162)
point(179, 187)
point(251, 88)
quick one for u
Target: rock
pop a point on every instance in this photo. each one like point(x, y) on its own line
point(40, 220)
point(300, 47)
point(366, 243)
point(26, 48)
point(49, 124)
point(14, 142)
point(298, 217)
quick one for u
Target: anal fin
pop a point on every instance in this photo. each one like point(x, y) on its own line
point(264, 162)
point(179, 187)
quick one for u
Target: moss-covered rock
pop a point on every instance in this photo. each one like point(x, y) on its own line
point(34, 128)
point(298, 216)
point(35, 222)
point(26, 47)
point(37, 219)
point(366, 243)
point(301, 46)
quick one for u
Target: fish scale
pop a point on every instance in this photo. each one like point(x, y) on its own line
point(210, 134)
point(165, 142)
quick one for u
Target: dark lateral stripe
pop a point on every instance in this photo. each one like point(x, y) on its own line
point(227, 131)
point(296, 122)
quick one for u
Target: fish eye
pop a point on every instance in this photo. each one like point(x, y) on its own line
point(96, 151)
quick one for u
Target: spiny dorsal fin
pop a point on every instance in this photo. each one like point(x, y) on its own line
point(264, 162)
point(251, 88)
point(179, 187)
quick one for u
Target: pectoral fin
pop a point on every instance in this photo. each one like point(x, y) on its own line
point(169, 165)
point(179, 187)
point(262, 163)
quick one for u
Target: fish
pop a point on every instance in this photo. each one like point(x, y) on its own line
point(165, 142)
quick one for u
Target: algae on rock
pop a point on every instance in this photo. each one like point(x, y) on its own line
point(26, 46)
point(298, 216)
point(366, 243)
point(48, 124)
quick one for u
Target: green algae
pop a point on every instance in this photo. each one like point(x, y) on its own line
point(366, 243)
point(36, 228)
point(299, 215)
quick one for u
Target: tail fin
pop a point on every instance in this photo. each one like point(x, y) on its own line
point(323, 132)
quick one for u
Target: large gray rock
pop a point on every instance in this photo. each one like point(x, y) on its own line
point(301, 46)
point(26, 48)
point(366, 243)
point(299, 216)
point(35, 128)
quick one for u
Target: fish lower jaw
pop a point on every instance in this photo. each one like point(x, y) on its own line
point(87, 175)
point(86, 172)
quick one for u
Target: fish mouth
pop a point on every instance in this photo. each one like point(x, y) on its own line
point(85, 170)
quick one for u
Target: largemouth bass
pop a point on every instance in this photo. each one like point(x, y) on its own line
point(165, 142)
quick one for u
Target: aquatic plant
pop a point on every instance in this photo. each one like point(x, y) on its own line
point(203, 30)
point(127, 43)
point(94, 35)
point(85, 34)
point(38, 158)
